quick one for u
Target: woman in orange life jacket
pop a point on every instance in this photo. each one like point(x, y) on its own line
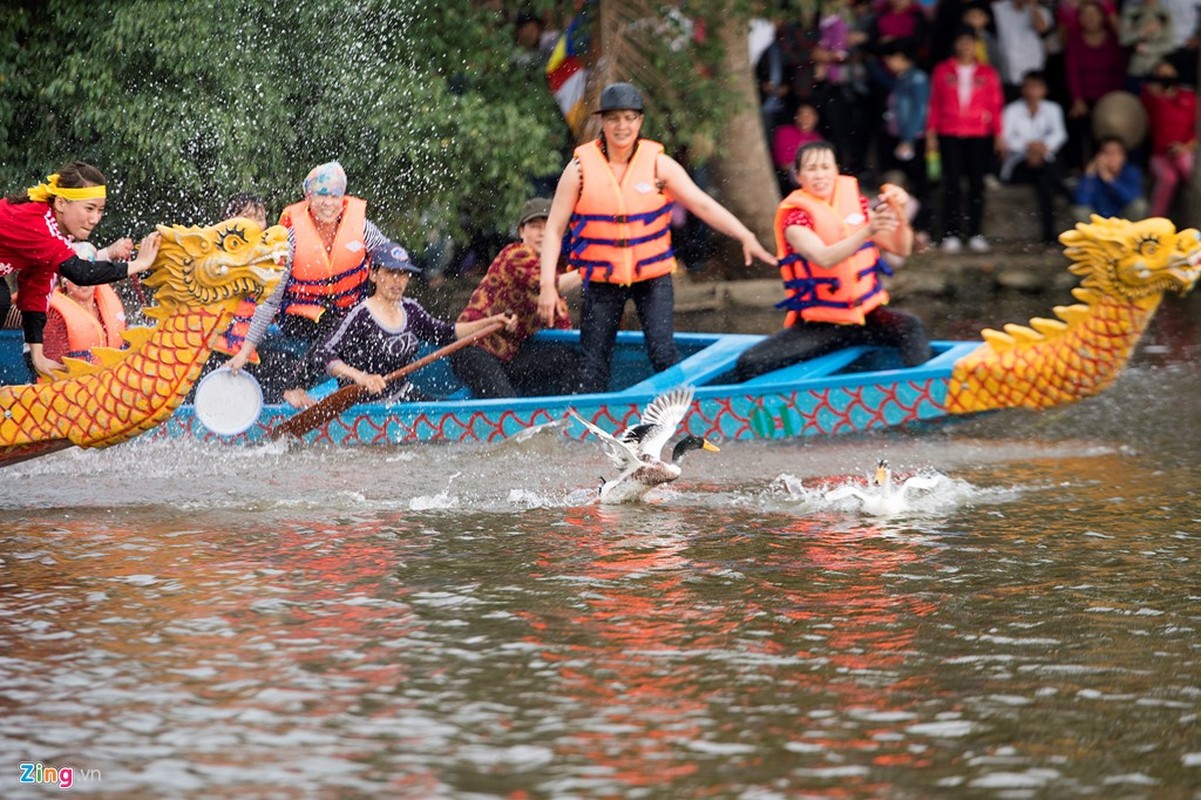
point(330, 237)
point(82, 317)
point(37, 228)
point(829, 242)
point(616, 195)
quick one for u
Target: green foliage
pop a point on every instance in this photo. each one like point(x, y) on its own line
point(183, 104)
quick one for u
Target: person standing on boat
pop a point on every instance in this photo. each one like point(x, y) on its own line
point(384, 332)
point(617, 195)
point(37, 229)
point(500, 364)
point(829, 243)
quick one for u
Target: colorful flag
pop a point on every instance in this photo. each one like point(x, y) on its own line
point(565, 70)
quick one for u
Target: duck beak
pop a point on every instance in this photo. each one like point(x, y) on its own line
point(708, 445)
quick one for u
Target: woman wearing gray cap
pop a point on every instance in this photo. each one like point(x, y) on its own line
point(617, 195)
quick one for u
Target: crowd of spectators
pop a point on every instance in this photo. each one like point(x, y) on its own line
point(953, 91)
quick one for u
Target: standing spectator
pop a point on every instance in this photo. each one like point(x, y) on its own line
point(1021, 26)
point(1033, 130)
point(785, 71)
point(1184, 22)
point(787, 139)
point(905, 122)
point(1146, 28)
point(900, 22)
point(1067, 16)
point(833, 95)
point(533, 41)
point(1111, 186)
point(965, 129)
point(1096, 65)
point(1172, 119)
point(978, 17)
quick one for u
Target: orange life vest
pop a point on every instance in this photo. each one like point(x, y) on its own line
point(325, 279)
point(85, 331)
point(846, 292)
point(620, 232)
point(230, 342)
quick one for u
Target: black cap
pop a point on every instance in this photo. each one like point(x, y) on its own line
point(620, 97)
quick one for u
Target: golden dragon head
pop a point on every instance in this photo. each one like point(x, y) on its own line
point(1133, 260)
point(217, 265)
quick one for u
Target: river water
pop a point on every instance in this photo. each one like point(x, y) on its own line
point(463, 622)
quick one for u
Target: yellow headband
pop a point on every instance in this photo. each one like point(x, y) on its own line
point(43, 191)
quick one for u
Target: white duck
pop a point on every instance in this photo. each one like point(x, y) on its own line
point(637, 451)
point(881, 499)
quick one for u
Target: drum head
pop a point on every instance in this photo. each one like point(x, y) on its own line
point(228, 404)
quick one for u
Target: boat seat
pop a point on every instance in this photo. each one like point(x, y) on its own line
point(813, 368)
point(700, 367)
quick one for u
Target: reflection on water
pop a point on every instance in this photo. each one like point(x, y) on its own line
point(464, 622)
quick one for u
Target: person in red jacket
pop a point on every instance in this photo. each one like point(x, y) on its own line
point(37, 229)
point(1172, 120)
point(965, 129)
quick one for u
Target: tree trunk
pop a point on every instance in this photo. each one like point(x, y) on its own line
point(742, 170)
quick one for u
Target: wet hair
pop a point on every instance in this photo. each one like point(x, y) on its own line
point(243, 200)
point(72, 175)
point(821, 145)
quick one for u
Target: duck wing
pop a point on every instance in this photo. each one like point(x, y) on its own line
point(659, 422)
point(623, 454)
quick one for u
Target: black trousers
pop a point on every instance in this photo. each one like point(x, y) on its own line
point(1045, 179)
point(538, 368)
point(806, 340)
point(970, 157)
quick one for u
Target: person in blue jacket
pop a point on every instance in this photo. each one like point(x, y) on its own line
point(1111, 186)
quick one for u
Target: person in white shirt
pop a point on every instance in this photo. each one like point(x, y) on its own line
point(1033, 131)
point(1021, 26)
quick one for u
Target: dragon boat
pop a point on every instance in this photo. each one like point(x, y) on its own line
point(1125, 270)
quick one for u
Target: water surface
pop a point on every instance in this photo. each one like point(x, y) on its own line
point(187, 620)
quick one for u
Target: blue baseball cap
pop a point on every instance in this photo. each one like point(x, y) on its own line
point(393, 256)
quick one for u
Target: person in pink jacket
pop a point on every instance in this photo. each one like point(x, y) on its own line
point(965, 130)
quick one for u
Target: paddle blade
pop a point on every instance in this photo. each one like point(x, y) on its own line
point(317, 415)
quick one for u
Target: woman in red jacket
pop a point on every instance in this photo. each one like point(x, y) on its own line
point(37, 228)
point(965, 130)
point(1172, 120)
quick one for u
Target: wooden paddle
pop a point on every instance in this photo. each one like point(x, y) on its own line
point(329, 407)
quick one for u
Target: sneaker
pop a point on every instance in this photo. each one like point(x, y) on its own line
point(951, 244)
point(978, 244)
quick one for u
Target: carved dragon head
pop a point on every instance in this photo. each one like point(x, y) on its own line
point(1133, 260)
point(217, 265)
